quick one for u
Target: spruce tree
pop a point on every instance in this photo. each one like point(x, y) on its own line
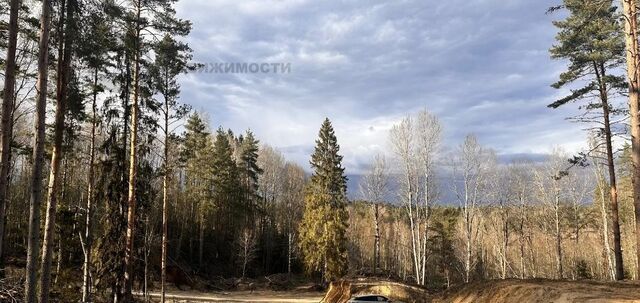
point(249, 172)
point(225, 177)
point(323, 228)
point(197, 155)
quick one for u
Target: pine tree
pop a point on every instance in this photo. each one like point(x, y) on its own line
point(157, 15)
point(6, 126)
point(630, 21)
point(66, 34)
point(323, 228)
point(35, 200)
point(591, 39)
point(171, 60)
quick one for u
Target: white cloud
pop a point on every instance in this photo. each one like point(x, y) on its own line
point(366, 66)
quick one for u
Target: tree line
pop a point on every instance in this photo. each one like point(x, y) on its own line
point(122, 183)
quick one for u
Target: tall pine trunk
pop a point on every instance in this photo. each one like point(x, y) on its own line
point(133, 163)
point(165, 201)
point(64, 63)
point(631, 43)
point(6, 128)
point(617, 247)
point(35, 199)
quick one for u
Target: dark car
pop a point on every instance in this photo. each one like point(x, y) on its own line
point(369, 298)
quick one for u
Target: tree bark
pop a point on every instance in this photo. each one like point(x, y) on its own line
point(201, 240)
point(289, 251)
point(615, 221)
point(133, 162)
point(6, 128)
point(64, 58)
point(86, 268)
point(559, 262)
point(505, 242)
point(35, 199)
point(631, 44)
point(376, 248)
point(605, 228)
point(165, 187)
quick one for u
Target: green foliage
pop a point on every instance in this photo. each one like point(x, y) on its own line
point(197, 156)
point(590, 38)
point(582, 270)
point(323, 228)
point(225, 175)
point(248, 171)
point(441, 245)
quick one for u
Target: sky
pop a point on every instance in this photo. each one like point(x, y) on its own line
point(482, 66)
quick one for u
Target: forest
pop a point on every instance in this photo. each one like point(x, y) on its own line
point(112, 186)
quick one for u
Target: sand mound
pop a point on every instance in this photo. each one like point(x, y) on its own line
point(342, 291)
point(518, 291)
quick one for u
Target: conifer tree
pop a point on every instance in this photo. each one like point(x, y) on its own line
point(591, 39)
point(323, 228)
point(249, 171)
point(35, 199)
point(630, 22)
point(172, 58)
point(197, 155)
point(6, 124)
point(225, 177)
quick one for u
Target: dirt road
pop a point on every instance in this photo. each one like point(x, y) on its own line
point(242, 296)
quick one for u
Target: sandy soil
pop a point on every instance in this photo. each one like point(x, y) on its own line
point(501, 291)
point(243, 296)
point(517, 291)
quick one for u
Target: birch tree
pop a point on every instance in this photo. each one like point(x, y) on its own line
point(415, 144)
point(429, 132)
point(519, 187)
point(402, 140)
point(550, 181)
point(470, 171)
point(374, 187)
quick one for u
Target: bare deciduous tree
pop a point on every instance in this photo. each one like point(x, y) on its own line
point(247, 247)
point(471, 164)
point(549, 180)
point(415, 145)
point(373, 187)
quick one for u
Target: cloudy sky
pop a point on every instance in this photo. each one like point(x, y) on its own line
point(481, 65)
